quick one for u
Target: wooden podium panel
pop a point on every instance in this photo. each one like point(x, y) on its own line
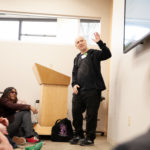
point(53, 100)
point(53, 105)
point(42, 130)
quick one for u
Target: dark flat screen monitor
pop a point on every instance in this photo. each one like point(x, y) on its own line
point(136, 23)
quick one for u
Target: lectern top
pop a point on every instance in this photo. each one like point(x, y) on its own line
point(45, 75)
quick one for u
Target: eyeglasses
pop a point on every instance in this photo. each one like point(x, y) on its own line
point(13, 92)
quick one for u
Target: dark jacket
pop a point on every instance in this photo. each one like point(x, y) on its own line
point(96, 56)
point(8, 108)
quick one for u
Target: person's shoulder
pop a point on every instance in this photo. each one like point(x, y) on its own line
point(90, 51)
point(4, 100)
point(78, 55)
point(76, 58)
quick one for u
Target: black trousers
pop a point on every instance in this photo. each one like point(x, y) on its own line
point(88, 101)
point(22, 125)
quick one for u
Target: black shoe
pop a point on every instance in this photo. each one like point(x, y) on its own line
point(75, 140)
point(86, 141)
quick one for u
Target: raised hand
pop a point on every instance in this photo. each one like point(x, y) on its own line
point(97, 37)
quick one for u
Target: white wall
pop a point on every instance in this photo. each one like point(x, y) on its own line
point(129, 98)
point(18, 58)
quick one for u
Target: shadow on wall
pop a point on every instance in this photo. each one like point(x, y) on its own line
point(147, 89)
point(141, 58)
point(142, 48)
point(117, 92)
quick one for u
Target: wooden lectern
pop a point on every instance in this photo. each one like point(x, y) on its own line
point(54, 96)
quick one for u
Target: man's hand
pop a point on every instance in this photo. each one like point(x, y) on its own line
point(75, 89)
point(97, 37)
point(4, 121)
point(3, 129)
point(34, 110)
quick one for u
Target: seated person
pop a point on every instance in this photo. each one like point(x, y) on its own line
point(19, 115)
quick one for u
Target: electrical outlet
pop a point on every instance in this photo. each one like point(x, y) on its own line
point(129, 121)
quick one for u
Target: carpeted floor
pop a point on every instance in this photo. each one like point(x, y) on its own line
point(100, 144)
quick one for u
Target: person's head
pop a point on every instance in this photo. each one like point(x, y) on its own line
point(81, 44)
point(10, 93)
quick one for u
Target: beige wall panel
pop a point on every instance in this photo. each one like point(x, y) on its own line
point(129, 95)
